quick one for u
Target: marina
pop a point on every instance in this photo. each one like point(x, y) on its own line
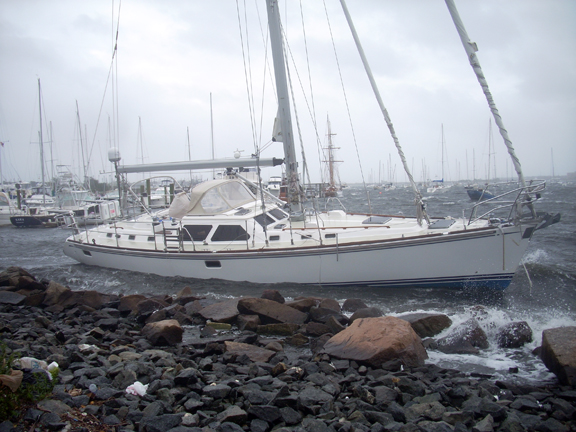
point(542, 292)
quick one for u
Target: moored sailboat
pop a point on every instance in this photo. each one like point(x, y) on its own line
point(230, 229)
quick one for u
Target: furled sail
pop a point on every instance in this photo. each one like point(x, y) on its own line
point(471, 48)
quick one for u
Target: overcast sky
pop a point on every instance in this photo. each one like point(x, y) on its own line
point(173, 55)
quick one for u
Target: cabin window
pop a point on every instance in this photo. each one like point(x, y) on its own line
point(280, 226)
point(109, 235)
point(235, 194)
point(150, 238)
point(278, 214)
point(195, 232)
point(213, 264)
point(264, 219)
point(274, 238)
point(131, 237)
point(332, 235)
point(230, 233)
point(212, 202)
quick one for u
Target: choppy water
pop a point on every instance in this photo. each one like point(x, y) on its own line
point(548, 302)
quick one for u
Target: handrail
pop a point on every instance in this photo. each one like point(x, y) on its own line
point(525, 197)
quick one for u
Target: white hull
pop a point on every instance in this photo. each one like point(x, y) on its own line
point(485, 257)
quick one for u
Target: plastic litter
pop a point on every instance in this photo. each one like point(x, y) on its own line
point(137, 389)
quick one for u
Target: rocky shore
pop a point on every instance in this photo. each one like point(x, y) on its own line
point(185, 363)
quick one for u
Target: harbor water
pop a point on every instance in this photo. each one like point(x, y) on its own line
point(542, 293)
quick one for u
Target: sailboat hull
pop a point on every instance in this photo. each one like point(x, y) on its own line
point(475, 258)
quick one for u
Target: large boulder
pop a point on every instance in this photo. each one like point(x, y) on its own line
point(376, 341)
point(271, 312)
point(514, 335)
point(559, 353)
point(166, 332)
point(224, 312)
point(427, 324)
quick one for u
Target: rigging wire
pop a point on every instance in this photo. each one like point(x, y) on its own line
point(347, 107)
point(313, 114)
point(307, 173)
point(247, 70)
point(114, 92)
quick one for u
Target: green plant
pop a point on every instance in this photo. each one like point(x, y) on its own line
point(36, 385)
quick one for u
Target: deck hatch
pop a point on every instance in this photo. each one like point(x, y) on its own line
point(380, 220)
point(442, 224)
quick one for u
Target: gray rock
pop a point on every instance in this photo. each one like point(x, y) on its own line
point(427, 325)
point(216, 391)
point(559, 353)
point(161, 423)
point(270, 311)
point(352, 305)
point(514, 335)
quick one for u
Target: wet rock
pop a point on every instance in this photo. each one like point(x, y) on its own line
point(514, 335)
point(352, 305)
point(224, 312)
point(12, 298)
point(270, 311)
point(273, 295)
point(466, 338)
point(248, 322)
point(233, 414)
point(427, 325)
point(56, 293)
point(303, 304)
point(128, 303)
point(167, 332)
point(317, 329)
point(377, 340)
point(280, 329)
point(559, 353)
point(369, 312)
point(322, 315)
point(254, 353)
point(329, 303)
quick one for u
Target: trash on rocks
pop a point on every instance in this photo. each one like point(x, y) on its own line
point(137, 389)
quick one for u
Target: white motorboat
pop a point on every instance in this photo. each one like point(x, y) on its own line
point(230, 229)
point(274, 183)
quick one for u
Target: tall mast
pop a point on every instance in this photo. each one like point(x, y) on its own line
point(471, 48)
point(41, 141)
point(212, 135)
point(283, 105)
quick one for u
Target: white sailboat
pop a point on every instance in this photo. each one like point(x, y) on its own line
point(230, 229)
point(438, 184)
